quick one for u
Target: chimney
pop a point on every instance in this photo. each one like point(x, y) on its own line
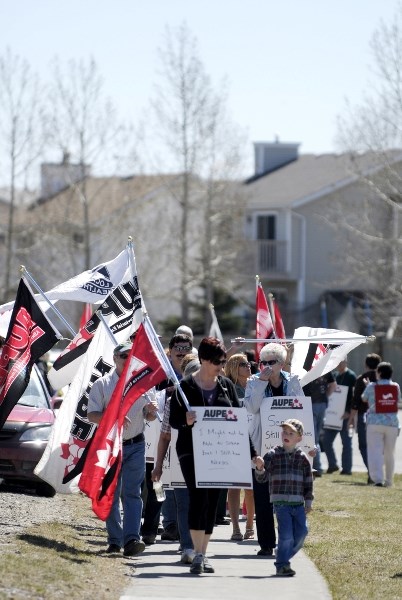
point(269, 156)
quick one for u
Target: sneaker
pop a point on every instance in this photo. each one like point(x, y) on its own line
point(133, 547)
point(187, 556)
point(170, 534)
point(265, 552)
point(208, 568)
point(149, 539)
point(197, 566)
point(285, 571)
point(332, 470)
point(112, 549)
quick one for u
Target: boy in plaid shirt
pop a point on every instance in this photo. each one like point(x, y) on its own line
point(289, 473)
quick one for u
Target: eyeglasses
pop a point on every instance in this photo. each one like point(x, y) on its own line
point(244, 364)
point(269, 362)
point(219, 362)
point(182, 348)
point(123, 356)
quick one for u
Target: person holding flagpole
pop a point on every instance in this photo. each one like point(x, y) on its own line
point(125, 533)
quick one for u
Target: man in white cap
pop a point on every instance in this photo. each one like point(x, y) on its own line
point(127, 533)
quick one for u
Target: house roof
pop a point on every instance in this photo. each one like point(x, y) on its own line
point(312, 176)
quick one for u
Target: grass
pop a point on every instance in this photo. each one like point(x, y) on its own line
point(63, 560)
point(355, 537)
point(355, 540)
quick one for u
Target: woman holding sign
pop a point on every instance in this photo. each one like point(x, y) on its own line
point(383, 426)
point(205, 387)
point(272, 381)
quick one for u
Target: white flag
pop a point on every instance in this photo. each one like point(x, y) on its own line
point(89, 286)
point(62, 461)
point(315, 358)
point(215, 330)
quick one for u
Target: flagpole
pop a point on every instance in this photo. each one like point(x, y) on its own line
point(42, 293)
point(272, 312)
point(169, 369)
point(131, 257)
point(108, 330)
point(323, 340)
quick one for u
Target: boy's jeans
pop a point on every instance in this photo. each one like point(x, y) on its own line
point(292, 530)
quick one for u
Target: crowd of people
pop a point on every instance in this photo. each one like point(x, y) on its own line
point(282, 479)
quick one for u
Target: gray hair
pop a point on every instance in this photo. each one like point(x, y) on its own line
point(276, 350)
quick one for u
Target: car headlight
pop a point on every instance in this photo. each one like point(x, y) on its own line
point(36, 434)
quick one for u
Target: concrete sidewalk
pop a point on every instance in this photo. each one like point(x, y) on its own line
point(239, 574)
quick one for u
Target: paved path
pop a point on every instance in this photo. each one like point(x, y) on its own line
point(240, 574)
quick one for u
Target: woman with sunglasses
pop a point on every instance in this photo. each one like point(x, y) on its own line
point(206, 387)
point(272, 380)
point(238, 370)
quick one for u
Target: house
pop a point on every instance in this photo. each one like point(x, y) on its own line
point(317, 227)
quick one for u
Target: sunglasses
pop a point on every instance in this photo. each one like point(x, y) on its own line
point(123, 356)
point(269, 362)
point(182, 348)
point(244, 364)
point(219, 362)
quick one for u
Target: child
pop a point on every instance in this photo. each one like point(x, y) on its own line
point(289, 473)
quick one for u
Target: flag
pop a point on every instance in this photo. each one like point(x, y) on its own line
point(264, 327)
point(142, 370)
point(279, 327)
point(90, 286)
point(122, 310)
point(316, 358)
point(215, 330)
point(64, 455)
point(86, 315)
point(29, 336)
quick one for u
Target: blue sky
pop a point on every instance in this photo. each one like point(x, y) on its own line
point(290, 64)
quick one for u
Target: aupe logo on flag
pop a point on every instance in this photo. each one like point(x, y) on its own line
point(100, 282)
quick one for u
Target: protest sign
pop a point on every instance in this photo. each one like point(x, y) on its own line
point(336, 408)
point(222, 448)
point(274, 411)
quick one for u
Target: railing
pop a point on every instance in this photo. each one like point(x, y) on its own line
point(271, 257)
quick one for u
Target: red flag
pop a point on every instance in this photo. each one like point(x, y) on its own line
point(279, 327)
point(142, 371)
point(86, 315)
point(264, 328)
point(29, 336)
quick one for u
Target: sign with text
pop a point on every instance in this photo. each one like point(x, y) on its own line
point(176, 476)
point(274, 411)
point(151, 432)
point(222, 448)
point(336, 408)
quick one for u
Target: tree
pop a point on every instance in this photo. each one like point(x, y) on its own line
point(21, 141)
point(83, 125)
point(371, 134)
point(192, 123)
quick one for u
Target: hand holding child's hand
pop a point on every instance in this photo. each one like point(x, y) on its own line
point(259, 463)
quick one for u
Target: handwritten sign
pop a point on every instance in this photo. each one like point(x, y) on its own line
point(151, 432)
point(336, 408)
point(274, 411)
point(222, 448)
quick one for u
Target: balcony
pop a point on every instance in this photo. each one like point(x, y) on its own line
point(271, 259)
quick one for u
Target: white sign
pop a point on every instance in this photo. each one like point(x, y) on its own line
point(151, 432)
point(222, 448)
point(274, 411)
point(176, 476)
point(336, 408)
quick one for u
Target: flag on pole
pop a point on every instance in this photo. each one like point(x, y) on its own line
point(143, 370)
point(279, 327)
point(314, 359)
point(264, 328)
point(123, 310)
point(215, 330)
point(30, 335)
point(86, 315)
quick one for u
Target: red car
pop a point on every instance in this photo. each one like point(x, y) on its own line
point(24, 436)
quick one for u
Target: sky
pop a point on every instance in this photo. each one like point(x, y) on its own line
point(290, 65)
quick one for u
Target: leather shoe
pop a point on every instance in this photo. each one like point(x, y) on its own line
point(265, 552)
point(133, 547)
point(149, 539)
point(112, 549)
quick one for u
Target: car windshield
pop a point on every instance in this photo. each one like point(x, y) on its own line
point(34, 395)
